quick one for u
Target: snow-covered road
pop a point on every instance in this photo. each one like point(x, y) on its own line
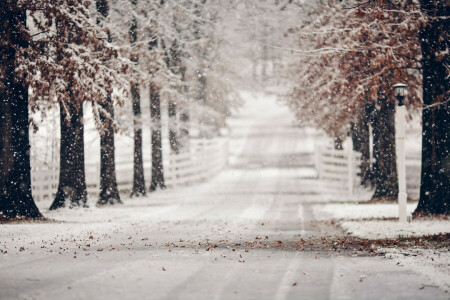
point(228, 238)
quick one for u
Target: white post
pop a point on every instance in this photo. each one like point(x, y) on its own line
point(350, 165)
point(401, 169)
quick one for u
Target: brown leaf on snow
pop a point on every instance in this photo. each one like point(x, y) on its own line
point(211, 247)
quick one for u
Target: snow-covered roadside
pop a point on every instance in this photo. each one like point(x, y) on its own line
point(350, 211)
point(391, 229)
point(366, 221)
point(433, 264)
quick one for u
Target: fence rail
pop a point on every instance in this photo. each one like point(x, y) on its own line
point(203, 159)
point(340, 169)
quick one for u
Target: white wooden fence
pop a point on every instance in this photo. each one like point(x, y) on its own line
point(204, 159)
point(340, 169)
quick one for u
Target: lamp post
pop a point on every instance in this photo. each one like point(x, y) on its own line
point(399, 93)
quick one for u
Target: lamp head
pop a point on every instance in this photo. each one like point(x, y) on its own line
point(400, 92)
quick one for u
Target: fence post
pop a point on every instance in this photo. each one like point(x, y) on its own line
point(351, 169)
point(400, 143)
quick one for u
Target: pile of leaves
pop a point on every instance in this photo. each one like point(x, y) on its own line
point(344, 245)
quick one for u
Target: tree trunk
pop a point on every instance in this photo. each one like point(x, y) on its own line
point(16, 199)
point(157, 163)
point(204, 122)
point(385, 168)
point(179, 132)
point(338, 140)
point(435, 174)
point(72, 178)
point(138, 170)
point(173, 127)
point(138, 163)
point(361, 142)
point(109, 193)
point(183, 141)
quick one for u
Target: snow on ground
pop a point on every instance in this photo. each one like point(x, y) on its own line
point(432, 263)
point(349, 213)
point(162, 246)
point(359, 211)
point(394, 229)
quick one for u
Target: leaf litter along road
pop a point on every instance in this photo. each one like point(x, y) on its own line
point(248, 233)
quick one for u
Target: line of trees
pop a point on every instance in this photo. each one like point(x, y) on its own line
point(351, 55)
point(70, 52)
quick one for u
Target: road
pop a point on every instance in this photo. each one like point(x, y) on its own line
point(232, 237)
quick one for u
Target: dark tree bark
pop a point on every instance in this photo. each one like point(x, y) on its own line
point(138, 170)
point(157, 162)
point(178, 133)
point(173, 61)
point(16, 199)
point(72, 177)
point(138, 162)
point(173, 128)
point(6, 147)
point(204, 120)
point(435, 175)
point(385, 168)
point(202, 88)
point(109, 193)
point(183, 141)
point(361, 142)
point(338, 140)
